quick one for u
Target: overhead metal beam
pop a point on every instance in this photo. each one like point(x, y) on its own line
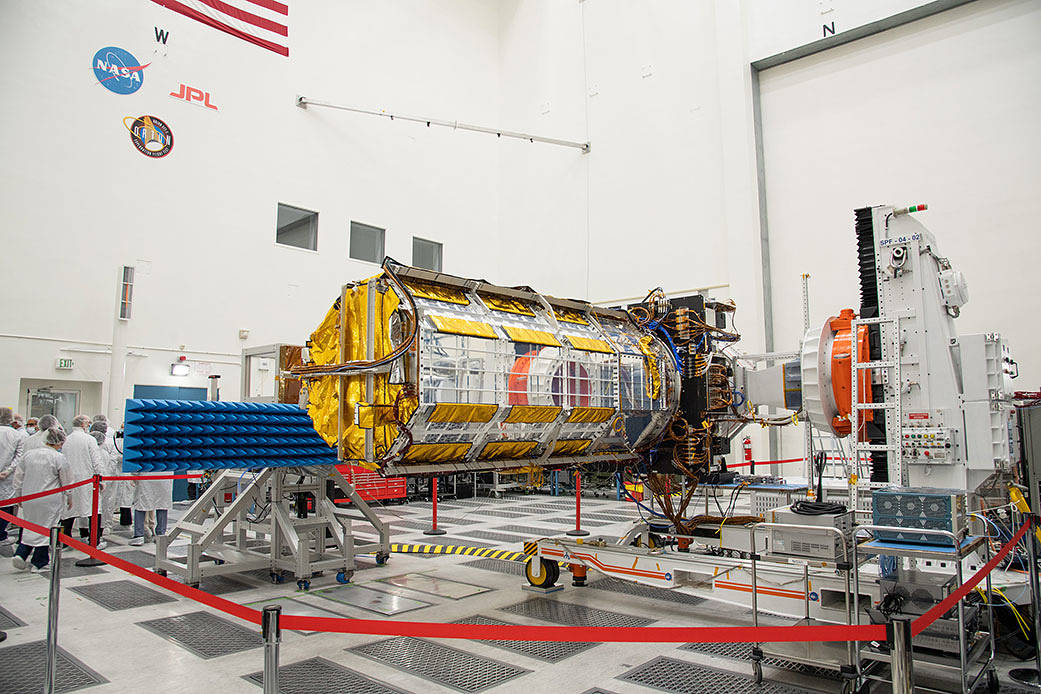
point(305, 102)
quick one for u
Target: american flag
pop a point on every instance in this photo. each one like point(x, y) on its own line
point(261, 22)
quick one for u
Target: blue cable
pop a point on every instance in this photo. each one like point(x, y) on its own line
point(738, 392)
point(672, 347)
point(640, 505)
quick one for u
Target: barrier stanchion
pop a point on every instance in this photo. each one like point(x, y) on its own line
point(52, 614)
point(1031, 677)
point(898, 633)
point(434, 530)
point(271, 630)
point(577, 531)
point(95, 508)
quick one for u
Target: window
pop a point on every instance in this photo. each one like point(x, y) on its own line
point(426, 254)
point(297, 227)
point(366, 242)
point(126, 296)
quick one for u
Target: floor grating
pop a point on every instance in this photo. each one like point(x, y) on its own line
point(499, 514)
point(550, 651)
point(495, 537)
point(23, 670)
point(321, 676)
point(121, 595)
point(682, 677)
point(614, 517)
point(457, 521)
point(219, 585)
point(513, 568)
point(204, 634)
point(573, 615)
point(529, 530)
point(743, 651)
point(616, 585)
point(9, 621)
point(137, 557)
point(445, 665)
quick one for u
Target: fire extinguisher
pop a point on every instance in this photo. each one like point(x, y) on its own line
point(746, 446)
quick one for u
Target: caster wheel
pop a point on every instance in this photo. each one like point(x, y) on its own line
point(549, 572)
point(344, 576)
point(161, 572)
point(192, 585)
point(992, 682)
point(382, 559)
point(757, 671)
point(303, 584)
point(277, 577)
point(218, 562)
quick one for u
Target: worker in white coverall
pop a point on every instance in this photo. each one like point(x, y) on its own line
point(82, 462)
point(38, 471)
point(111, 491)
point(12, 447)
point(39, 439)
point(151, 495)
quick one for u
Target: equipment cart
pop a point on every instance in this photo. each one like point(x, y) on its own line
point(838, 656)
point(971, 649)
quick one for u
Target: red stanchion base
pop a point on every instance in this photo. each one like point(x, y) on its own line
point(435, 531)
point(577, 532)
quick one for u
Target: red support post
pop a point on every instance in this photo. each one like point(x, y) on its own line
point(434, 530)
point(578, 531)
point(94, 506)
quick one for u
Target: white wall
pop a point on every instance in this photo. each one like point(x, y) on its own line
point(80, 201)
point(942, 111)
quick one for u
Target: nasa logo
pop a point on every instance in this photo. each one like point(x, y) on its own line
point(118, 70)
point(151, 136)
point(814, 597)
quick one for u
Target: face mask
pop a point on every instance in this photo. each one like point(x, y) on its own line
point(31, 429)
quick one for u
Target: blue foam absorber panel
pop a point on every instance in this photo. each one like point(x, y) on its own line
point(176, 435)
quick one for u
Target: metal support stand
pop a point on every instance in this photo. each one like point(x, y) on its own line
point(272, 633)
point(902, 666)
point(94, 510)
point(52, 614)
point(578, 531)
point(1031, 677)
point(434, 530)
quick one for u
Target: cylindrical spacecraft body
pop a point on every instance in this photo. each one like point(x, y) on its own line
point(491, 378)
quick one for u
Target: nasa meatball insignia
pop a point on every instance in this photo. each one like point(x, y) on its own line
point(118, 70)
point(151, 136)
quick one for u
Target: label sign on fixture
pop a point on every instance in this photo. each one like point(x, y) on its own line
point(63, 363)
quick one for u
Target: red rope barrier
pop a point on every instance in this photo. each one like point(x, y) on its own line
point(485, 632)
point(148, 477)
point(29, 497)
point(941, 608)
point(241, 611)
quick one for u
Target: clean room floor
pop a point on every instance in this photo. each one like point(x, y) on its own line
point(137, 644)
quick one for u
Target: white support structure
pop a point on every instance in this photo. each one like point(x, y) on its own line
point(265, 526)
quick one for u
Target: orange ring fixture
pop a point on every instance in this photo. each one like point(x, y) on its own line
point(842, 372)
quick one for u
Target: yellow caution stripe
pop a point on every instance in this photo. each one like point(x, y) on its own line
point(490, 552)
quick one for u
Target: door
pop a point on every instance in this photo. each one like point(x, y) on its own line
point(63, 404)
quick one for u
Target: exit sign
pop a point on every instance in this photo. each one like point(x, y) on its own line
point(63, 363)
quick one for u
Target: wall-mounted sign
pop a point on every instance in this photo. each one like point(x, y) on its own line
point(151, 136)
point(193, 96)
point(118, 70)
point(63, 363)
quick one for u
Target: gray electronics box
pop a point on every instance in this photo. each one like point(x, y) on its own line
point(799, 543)
point(919, 508)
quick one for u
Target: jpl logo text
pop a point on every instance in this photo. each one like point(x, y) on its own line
point(193, 95)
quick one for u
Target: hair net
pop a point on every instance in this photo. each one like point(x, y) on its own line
point(6, 415)
point(81, 420)
point(99, 436)
point(101, 418)
point(55, 436)
point(48, 421)
point(99, 426)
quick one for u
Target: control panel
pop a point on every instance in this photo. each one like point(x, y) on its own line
point(923, 442)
